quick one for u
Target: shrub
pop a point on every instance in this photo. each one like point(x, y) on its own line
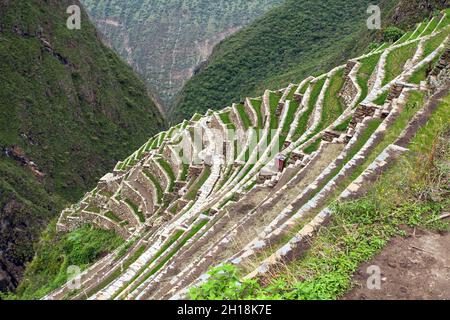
point(392, 34)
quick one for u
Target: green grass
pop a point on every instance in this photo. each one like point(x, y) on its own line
point(184, 172)
point(344, 125)
point(55, 253)
point(110, 215)
point(166, 245)
point(293, 107)
point(406, 36)
point(419, 30)
point(313, 147)
point(303, 122)
point(246, 122)
point(291, 93)
point(136, 210)
point(114, 275)
point(257, 104)
point(191, 233)
point(192, 193)
point(225, 117)
point(431, 26)
point(332, 103)
point(368, 66)
point(433, 43)
point(396, 60)
point(381, 99)
point(169, 171)
point(159, 190)
point(421, 74)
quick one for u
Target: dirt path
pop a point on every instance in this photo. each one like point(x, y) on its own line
point(412, 268)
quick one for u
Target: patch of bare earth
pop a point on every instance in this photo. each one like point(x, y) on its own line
point(412, 268)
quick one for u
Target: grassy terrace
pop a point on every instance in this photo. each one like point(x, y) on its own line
point(245, 119)
point(332, 103)
point(196, 228)
point(421, 73)
point(166, 246)
point(293, 107)
point(116, 273)
point(290, 96)
point(342, 127)
point(365, 136)
point(304, 87)
point(433, 43)
point(405, 37)
point(419, 30)
point(184, 171)
point(136, 210)
point(303, 122)
point(169, 171)
point(431, 26)
point(154, 181)
point(313, 147)
point(381, 99)
point(257, 104)
point(225, 117)
point(396, 60)
point(274, 99)
point(368, 66)
point(110, 215)
point(415, 101)
point(192, 193)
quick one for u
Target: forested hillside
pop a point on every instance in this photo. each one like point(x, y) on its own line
point(298, 38)
point(69, 109)
point(166, 40)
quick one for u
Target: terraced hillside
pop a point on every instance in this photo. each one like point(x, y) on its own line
point(257, 179)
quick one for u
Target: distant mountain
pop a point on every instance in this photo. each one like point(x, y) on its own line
point(165, 40)
point(69, 109)
point(298, 38)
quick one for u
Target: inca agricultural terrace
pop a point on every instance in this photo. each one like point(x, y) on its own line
point(257, 178)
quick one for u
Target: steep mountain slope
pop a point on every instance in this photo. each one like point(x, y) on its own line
point(165, 40)
point(69, 109)
point(251, 185)
point(292, 41)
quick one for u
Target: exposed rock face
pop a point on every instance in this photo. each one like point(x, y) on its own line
point(407, 12)
point(168, 42)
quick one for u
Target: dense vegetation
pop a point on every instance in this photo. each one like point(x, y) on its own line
point(296, 39)
point(56, 253)
point(164, 40)
point(74, 109)
point(292, 41)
